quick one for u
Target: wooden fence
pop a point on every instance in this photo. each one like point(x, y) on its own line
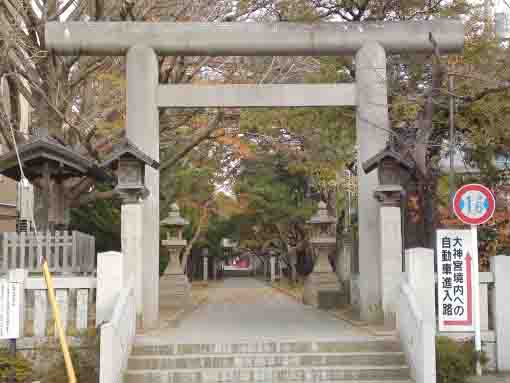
point(67, 252)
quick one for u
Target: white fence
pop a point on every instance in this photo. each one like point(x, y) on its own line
point(494, 295)
point(116, 312)
point(416, 315)
point(117, 337)
point(487, 310)
point(67, 252)
point(87, 301)
point(76, 300)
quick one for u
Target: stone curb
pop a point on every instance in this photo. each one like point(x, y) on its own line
point(286, 292)
point(358, 324)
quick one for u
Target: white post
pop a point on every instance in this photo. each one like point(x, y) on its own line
point(500, 267)
point(206, 268)
point(82, 308)
point(110, 280)
point(372, 125)
point(476, 296)
point(418, 335)
point(420, 276)
point(20, 276)
point(272, 262)
point(142, 128)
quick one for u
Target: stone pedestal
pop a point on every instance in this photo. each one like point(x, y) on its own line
point(175, 290)
point(390, 229)
point(322, 288)
point(132, 248)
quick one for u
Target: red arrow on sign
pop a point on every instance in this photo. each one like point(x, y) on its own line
point(469, 320)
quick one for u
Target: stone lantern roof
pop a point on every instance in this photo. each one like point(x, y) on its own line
point(387, 153)
point(127, 148)
point(174, 218)
point(62, 161)
point(322, 215)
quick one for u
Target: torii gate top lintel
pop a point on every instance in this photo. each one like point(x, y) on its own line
point(251, 39)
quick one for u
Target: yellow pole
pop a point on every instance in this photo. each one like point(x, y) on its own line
point(71, 376)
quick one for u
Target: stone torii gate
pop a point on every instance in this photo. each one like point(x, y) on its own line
point(141, 42)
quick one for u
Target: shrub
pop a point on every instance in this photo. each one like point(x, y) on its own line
point(85, 362)
point(19, 364)
point(456, 360)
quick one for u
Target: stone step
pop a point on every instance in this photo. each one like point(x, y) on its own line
point(271, 374)
point(269, 347)
point(197, 361)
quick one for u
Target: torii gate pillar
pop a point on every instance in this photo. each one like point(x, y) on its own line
point(372, 127)
point(142, 128)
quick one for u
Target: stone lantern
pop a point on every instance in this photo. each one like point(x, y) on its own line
point(394, 173)
point(322, 238)
point(174, 242)
point(174, 285)
point(322, 287)
point(129, 162)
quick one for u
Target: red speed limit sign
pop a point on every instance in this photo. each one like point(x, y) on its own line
point(474, 204)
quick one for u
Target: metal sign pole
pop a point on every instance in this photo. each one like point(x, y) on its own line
point(476, 298)
point(12, 353)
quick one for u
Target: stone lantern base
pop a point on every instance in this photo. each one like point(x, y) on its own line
point(174, 292)
point(174, 287)
point(324, 291)
point(322, 288)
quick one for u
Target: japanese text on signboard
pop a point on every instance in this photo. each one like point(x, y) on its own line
point(454, 272)
point(10, 294)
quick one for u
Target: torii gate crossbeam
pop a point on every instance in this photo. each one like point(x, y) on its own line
point(251, 39)
point(141, 42)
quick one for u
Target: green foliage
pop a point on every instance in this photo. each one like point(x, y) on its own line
point(101, 219)
point(456, 360)
point(273, 191)
point(85, 362)
point(217, 229)
point(21, 366)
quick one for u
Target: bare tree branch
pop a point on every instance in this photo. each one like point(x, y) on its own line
point(202, 136)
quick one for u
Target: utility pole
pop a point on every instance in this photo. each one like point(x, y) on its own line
point(451, 123)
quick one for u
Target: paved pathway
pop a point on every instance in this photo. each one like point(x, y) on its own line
point(494, 378)
point(245, 309)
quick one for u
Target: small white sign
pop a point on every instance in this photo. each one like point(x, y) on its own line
point(10, 309)
point(455, 280)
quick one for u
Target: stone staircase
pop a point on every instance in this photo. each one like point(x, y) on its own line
point(373, 361)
